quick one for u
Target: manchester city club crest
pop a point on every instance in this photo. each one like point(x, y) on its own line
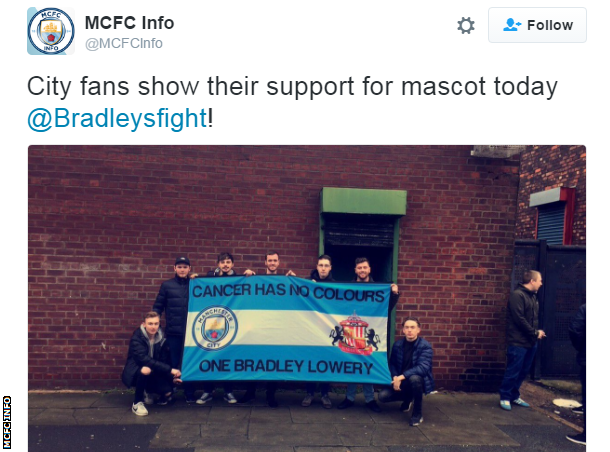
point(354, 336)
point(214, 328)
point(51, 31)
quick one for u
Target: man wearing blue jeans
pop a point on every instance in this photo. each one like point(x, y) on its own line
point(363, 275)
point(522, 338)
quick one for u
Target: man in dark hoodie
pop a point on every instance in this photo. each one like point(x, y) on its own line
point(522, 338)
point(148, 364)
point(363, 275)
point(173, 298)
point(322, 274)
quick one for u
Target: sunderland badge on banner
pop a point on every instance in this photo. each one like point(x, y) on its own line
point(285, 328)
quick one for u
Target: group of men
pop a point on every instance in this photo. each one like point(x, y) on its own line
point(154, 358)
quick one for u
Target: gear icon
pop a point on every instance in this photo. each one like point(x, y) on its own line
point(469, 28)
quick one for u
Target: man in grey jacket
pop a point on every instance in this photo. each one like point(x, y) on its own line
point(522, 338)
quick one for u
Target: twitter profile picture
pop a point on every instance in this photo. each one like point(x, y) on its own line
point(50, 32)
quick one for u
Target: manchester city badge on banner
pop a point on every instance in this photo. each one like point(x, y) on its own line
point(214, 328)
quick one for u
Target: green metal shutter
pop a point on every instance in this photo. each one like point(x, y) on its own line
point(550, 223)
point(359, 230)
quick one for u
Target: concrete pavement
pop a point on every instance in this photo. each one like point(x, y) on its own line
point(103, 421)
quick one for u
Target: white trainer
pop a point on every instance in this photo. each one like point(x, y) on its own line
point(139, 409)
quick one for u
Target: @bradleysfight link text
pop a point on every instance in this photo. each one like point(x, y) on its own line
point(42, 120)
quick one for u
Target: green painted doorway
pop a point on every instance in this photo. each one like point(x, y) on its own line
point(362, 223)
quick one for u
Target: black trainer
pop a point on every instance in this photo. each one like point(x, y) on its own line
point(372, 405)
point(416, 419)
point(247, 397)
point(578, 410)
point(163, 400)
point(578, 439)
point(347, 403)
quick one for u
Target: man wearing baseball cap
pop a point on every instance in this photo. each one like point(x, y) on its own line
point(173, 298)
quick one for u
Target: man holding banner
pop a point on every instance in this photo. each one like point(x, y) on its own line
point(273, 327)
point(173, 299)
point(363, 275)
point(272, 265)
point(322, 273)
point(225, 264)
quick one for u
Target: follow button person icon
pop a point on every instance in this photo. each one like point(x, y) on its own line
point(510, 23)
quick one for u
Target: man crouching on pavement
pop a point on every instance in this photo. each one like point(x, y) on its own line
point(147, 366)
point(411, 370)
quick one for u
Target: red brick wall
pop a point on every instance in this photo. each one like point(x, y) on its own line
point(105, 224)
point(547, 167)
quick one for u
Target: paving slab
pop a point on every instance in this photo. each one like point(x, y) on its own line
point(185, 414)
point(62, 400)
point(533, 417)
point(466, 434)
point(408, 448)
point(294, 435)
point(229, 415)
point(390, 414)
point(544, 438)
point(479, 413)
point(319, 415)
point(167, 415)
point(244, 449)
point(342, 449)
point(92, 438)
point(356, 434)
point(176, 435)
point(476, 398)
point(441, 399)
point(55, 416)
point(100, 416)
point(266, 415)
point(233, 435)
point(398, 434)
point(32, 413)
point(114, 399)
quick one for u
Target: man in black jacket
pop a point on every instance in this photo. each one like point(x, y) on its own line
point(411, 371)
point(578, 336)
point(173, 298)
point(522, 338)
point(148, 364)
point(362, 269)
point(322, 274)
